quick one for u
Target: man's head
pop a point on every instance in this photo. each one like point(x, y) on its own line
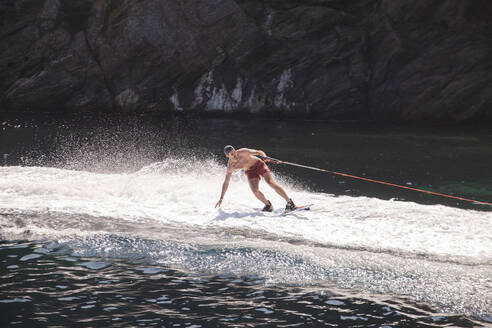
point(229, 150)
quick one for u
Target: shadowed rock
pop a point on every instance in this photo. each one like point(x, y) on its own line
point(359, 59)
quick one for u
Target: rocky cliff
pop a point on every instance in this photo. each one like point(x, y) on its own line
point(357, 59)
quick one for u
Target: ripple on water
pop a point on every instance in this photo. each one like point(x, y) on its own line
point(94, 265)
point(15, 300)
point(103, 292)
point(149, 270)
point(30, 257)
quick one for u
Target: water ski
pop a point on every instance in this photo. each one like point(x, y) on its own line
point(299, 208)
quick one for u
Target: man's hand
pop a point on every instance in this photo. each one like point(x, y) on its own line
point(218, 203)
point(267, 160)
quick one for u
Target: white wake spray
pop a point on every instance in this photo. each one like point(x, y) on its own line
point(185, 191)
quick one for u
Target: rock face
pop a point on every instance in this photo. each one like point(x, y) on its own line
point(352, 59)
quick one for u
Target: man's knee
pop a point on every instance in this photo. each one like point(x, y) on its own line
point(257, 192)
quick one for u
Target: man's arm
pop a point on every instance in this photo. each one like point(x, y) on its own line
point(225, 185)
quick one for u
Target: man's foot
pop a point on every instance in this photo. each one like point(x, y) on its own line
point(268, 208)
point(290, 206)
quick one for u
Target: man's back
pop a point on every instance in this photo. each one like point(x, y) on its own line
point(244, 159)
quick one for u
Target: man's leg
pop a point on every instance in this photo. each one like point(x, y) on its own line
point(269, 179)
point(253, 184)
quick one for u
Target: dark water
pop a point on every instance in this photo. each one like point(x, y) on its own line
point(44, 285)
point(54, 281)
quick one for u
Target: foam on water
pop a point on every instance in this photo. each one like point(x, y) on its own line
point(166, 193)
point(165, 213)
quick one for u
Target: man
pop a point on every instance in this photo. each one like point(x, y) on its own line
point(255, 168)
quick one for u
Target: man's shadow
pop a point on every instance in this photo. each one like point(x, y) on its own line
point(223, 215)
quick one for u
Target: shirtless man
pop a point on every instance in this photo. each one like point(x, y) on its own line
point(255, 168)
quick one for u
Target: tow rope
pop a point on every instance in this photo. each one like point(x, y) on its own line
point(277, 161)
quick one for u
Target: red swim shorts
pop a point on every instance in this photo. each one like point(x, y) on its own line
point(257, 170)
